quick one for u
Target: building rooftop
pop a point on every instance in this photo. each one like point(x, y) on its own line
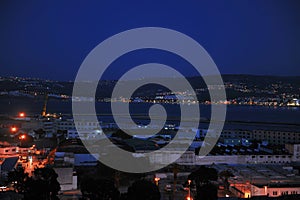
point(262, 174)
point(9, 164)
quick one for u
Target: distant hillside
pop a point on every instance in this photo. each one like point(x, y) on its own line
point(236, 86)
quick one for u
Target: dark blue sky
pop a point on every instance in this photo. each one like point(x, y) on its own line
point(50, 40)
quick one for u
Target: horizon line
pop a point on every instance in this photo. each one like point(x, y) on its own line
point(190, 76)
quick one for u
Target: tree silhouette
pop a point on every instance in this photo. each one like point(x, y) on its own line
point(36, 189)
point(207, 192)
point(204, 178)
point(144, 190)
point(225, 175)
point(121, 134)
point(95, 189)
point(18, 177)
point(40, 133)
point(175, 172)
point(42, 185)
point(24, 142)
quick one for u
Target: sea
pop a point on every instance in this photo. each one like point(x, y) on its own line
point(235, 113)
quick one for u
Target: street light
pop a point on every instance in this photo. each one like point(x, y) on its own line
point(21, 114)
point(13, 129)
point(189, 196)
point(266, 190)
point(156, 179)
point(22, 137)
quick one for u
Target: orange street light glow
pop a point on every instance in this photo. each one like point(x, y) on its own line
point(21, 114)
point(22, 137)
point(156, 179)
point(13, 129)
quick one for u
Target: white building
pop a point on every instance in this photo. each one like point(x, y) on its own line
point(52, 125)
point(274, 190)
point(66, 178)
point(14, 150)
point(189, 158)
point(263, 180)
point(64, 125)
point(49, 127)
point(85, 134)
point(72, 134)
point(277, 137)
point(294, 149)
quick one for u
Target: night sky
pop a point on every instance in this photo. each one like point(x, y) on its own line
point(50, 40)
